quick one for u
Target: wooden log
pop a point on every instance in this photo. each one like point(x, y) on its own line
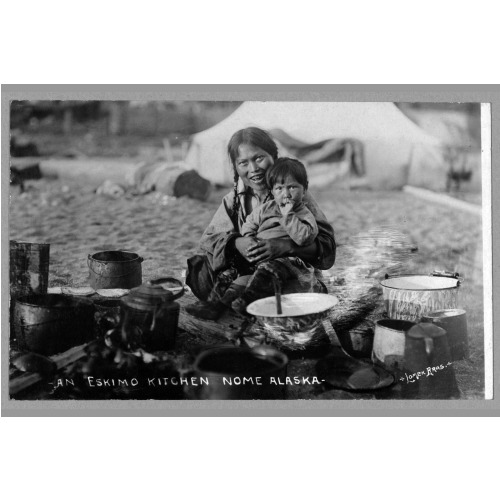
point(26, 380)
point(224, 329)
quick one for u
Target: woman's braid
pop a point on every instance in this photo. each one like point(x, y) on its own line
point(236, 201)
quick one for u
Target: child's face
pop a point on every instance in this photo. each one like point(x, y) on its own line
point(288, 191)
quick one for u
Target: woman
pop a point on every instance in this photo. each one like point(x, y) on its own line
point(228, 258)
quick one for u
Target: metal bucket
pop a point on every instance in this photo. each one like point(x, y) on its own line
point(52, 323)
point(29, 268)
point(239, 373)
point(389, 342)
point(411, 297)
point(300, 323)
point(454, 322)
point(115, 269)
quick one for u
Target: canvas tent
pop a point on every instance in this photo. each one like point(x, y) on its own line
point(395, 148)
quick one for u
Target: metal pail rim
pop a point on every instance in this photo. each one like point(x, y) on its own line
point(402, 322)
point(72, 301)
point(33, 243)
point(444, 313)
point(134, 256)
point(386, 283)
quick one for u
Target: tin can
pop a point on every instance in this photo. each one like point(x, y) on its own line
point(389, 342)
point(29, 268)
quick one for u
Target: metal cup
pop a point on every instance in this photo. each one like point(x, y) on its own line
point(454, 322)
point(389, 342)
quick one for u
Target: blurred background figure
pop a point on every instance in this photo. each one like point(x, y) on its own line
point(436, 146)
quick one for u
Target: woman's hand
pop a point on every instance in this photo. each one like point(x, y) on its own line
point(242, 244)
point(262, 250)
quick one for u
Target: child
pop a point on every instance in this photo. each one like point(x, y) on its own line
point(285, 216)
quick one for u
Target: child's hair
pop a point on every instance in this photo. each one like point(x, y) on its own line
point(254, 137)
point(284, 167)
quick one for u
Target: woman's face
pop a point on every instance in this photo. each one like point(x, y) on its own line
point(251, 164)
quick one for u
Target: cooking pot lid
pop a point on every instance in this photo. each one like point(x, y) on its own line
point(173, 285)
point(426, 330)
point(147, 295)
point(293, 304)
point(422, 282)
point(352, 374)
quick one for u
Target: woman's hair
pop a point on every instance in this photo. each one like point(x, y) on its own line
point(255, 137)
point(252, 136)
point(284, 167)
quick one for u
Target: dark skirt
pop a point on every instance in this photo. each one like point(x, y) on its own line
point(202, 279)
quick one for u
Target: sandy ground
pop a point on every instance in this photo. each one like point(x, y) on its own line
point(165, 230)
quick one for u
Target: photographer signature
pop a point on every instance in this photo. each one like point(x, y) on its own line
point(430, 371)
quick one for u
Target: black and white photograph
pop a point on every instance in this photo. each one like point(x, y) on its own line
point(221, 249)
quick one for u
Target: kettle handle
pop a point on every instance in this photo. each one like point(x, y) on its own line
point(156, 311)
point(429, 349)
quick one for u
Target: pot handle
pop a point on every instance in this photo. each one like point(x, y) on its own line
point(124, 250)
point(331, 333)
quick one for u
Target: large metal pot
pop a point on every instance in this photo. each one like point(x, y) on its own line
point(52, 323)
point(114, 269)
point(228, 372)
point(409, 297)
point(300, 322)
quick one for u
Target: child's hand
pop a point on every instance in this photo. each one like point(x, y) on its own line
point(286, 208)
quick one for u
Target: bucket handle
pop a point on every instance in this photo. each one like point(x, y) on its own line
point(439, 274)
point(448, 274)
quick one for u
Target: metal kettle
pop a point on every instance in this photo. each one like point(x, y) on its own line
point(428, 370)
point(151, 315)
